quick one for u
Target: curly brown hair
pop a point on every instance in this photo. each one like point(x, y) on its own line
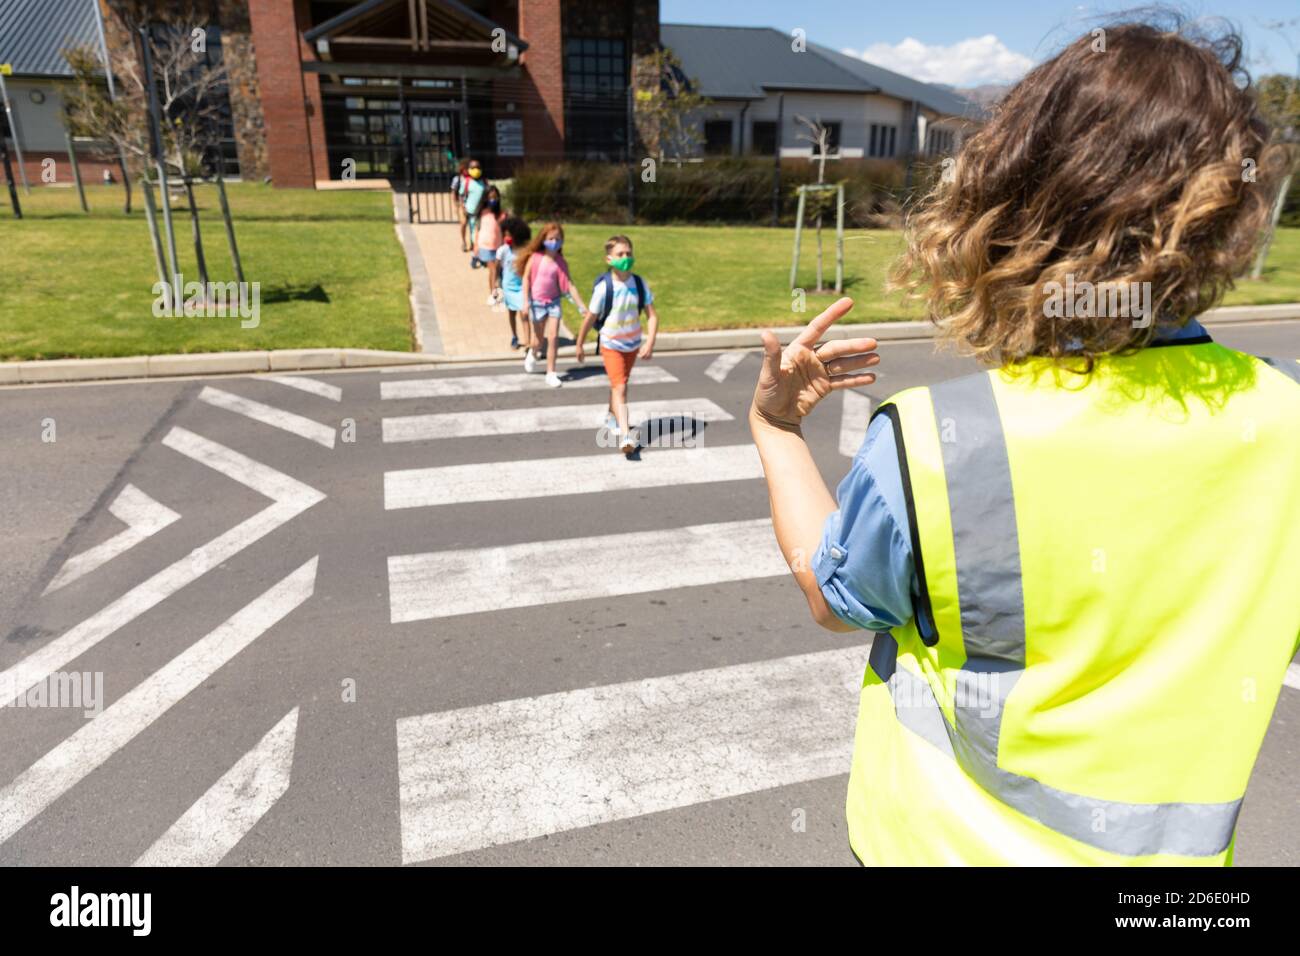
point(1137, 159)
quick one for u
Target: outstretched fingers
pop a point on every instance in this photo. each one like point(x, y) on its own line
point(850, 363)
point(852, 380)
point(815, 329)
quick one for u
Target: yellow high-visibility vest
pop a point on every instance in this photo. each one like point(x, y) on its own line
point(1112, 566)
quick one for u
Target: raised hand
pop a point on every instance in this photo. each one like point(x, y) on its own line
point(793, 381)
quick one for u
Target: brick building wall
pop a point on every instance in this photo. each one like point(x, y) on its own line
point(543, 66)
point(291, 104)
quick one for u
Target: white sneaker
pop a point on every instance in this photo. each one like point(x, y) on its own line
point(611, 422)
point(629, 443)
point(530, 361)
point(553, 380)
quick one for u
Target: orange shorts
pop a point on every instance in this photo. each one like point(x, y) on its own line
point(618, 365)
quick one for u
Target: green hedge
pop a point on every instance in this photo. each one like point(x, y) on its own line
point(718, 190)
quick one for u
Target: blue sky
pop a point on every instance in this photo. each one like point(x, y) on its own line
point(966, 43)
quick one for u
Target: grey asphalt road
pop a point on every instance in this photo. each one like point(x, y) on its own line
point(248, 720)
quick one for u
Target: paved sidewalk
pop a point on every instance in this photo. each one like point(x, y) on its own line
point(467, 325)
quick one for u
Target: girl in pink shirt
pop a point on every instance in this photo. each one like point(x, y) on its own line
point(546, 281)
point(488, 240)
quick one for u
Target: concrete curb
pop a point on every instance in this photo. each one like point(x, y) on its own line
point(292, 360)
point(200, 363)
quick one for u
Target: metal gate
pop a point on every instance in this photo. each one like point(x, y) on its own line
point(433, 141)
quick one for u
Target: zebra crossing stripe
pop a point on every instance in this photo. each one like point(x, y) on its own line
point(290, 498)
point(310, 385)
point(855, 416)
point(518, 769)
point(269, 415)
point(469, 581)
point(721, 366)
point(143, 518)
point(518, 421)
point(219, 819)
point(582, 474)
point(1292, 678)
point(513, 382)
point(67, 764)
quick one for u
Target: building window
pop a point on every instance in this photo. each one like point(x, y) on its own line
point(368, 131)
point(717, 137)
point(595, 97)
point(938, 141)
point(882, 140)
point(832, 137)
point(763, 136)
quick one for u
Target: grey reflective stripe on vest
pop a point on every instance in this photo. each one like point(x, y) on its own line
point(987, 546)
point(1288, 367)
point(987, 553)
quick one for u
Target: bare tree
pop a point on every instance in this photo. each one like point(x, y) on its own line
point(818, 134)
point(191, 95)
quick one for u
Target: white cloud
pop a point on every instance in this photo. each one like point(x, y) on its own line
point(968, 62)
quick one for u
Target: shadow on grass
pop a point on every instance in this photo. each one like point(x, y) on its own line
point(296, 294)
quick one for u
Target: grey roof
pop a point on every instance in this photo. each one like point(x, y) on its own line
point(34, 34)
point(746, 62)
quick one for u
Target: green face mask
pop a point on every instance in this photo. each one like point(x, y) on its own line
point(623, 264)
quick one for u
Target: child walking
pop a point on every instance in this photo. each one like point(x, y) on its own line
point(1075, 561)
point(488, 239)
point(459, 187)
point(475, 187)
point(516, 236)
point(617, 301)
point(546, 282)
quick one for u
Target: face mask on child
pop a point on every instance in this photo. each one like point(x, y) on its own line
point(494, 205)
point(552, 245)
point(622, 264)
point(476, 173)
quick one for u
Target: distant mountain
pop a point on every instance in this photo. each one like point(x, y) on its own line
point(986, 94)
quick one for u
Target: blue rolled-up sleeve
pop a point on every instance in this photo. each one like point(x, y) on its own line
point(864, 562)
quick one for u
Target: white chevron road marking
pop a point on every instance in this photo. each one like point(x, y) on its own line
point(721, 366)
point(468, 581)
point(855, 416)
point(269, 415)
point(498, 773)
point(62, 768)
point(219, 819)
point(311, 385)
point(143, 518)
point(290, 498)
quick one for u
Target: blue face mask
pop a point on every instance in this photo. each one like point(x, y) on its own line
point(552, 245)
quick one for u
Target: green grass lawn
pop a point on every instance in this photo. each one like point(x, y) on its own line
point(332, 274)
point(708, 277)
point(331, 270)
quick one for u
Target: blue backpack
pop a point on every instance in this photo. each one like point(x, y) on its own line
point(607, 280)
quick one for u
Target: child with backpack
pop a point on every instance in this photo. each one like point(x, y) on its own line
point(459, 186)
point(516, 235)
point(475, 190)
point(488, 240)
point(617, 301)
point(546, 282)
